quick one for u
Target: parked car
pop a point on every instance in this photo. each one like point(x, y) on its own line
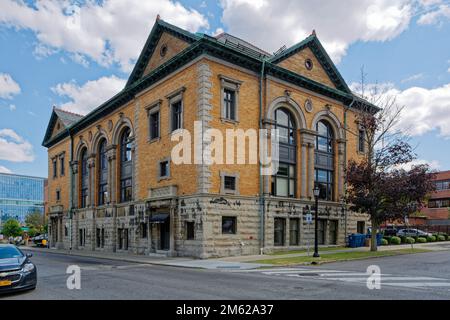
point(41, 240)
point(17, 272)
point(390, 231)
point(412, 233)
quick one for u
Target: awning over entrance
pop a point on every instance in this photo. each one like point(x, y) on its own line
point(159, 218)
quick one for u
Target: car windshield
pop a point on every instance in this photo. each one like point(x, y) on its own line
point(9, 252)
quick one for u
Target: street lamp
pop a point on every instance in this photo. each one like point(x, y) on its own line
point(316, 192)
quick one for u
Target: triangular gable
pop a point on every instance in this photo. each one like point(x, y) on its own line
point(59, 122)
point(294, 58)
point(152, 45)
point(166, 48)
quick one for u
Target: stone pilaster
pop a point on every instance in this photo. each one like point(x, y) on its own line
point(341, 168)
point(112, 177)
point(203, 112)
point(76, 183)
point(304, 173)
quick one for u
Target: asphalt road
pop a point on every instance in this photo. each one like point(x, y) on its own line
point(418, 276)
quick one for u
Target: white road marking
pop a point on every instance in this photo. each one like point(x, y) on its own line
point(418, 282)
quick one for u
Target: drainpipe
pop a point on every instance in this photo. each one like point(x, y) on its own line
point(71, 190)
point(345, 158)
point(262, 206)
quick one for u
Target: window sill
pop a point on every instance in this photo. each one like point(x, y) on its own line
point(164, 178)
point(154, 140)
point(230, 121)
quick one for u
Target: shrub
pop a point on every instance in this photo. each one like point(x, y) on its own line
point(388, 239)
point(431, 238)
point(410, 240)
point(441, 238)
point(384, 242)
point(421, 240)
point(396, 240)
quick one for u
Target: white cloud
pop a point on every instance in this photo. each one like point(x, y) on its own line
point(8, 87)
point(434, 164)
point(448, 70)
point(113, 32)
point(4, 170)
point(14, 148)
point(425, 109)
point(90, 95)
point(414, 77)
point(271, 24)
point(435, 16)
point(12, 107)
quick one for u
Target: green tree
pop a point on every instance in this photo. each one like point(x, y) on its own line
point(35, 221)
point(11, 228)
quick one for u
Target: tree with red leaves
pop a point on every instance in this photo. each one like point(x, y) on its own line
point(379, 185)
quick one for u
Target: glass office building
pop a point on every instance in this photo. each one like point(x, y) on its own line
point(20, 195)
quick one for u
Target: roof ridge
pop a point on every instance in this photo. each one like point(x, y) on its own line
point(66, 111)
point(247, 42)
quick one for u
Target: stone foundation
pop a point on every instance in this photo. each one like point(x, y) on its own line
point(206, 212)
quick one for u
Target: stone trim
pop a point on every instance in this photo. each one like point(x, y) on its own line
point(168, 169)
point(224, 174)
point(152, 108)
point(233, 85)
point(174, 97)
point(204, 108)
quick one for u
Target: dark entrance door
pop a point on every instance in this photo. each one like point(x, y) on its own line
point(279, 226)
point(164, 233)
point(333, 231)
point(321, 231)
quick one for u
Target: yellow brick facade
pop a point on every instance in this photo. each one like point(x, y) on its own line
point(192, 194)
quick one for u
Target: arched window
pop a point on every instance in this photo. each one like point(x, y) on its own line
point(126, 185)
point(324, 163)
point(284, 182)
point(84, 179)
point(102, 173)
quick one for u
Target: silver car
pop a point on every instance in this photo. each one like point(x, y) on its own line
point(412, 233)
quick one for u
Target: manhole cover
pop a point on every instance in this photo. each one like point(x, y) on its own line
point(308, 274)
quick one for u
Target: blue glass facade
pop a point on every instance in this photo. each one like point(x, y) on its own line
point(20, 195)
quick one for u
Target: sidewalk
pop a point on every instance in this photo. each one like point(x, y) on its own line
point(154, 259)
point(435, 246)
point(237, 262)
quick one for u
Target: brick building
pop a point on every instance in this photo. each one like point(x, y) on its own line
point(437, 211)
point(112, 183)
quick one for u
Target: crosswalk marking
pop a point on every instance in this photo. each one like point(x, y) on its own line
point(407, 281)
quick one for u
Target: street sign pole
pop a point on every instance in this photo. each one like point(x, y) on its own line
point(309, 222)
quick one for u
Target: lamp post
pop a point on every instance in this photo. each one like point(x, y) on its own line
point(316, 192)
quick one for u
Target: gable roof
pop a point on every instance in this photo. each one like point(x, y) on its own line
point(241, 44)
point(158, 28)
point(68, 119)
point(238, 53)
point(313, 43)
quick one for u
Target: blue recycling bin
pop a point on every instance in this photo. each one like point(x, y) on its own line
point(356, 240)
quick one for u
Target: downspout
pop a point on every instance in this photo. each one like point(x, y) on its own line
point(262, 206)
point(71, 191)
point(345, 159)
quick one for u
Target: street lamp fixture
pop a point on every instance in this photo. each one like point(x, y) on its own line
point(316, 193)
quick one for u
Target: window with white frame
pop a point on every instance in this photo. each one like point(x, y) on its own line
point(164, 169)
point(154, 120)
point(176, 109)
point(230, 98)
point(229, 183)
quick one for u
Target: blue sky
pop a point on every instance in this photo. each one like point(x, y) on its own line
point(45, 61)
